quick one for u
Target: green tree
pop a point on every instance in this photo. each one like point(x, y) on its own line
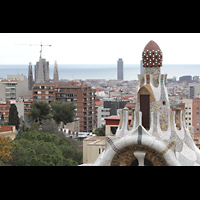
point(49, 126)
point(35, 148)
point(13, 116)
point(63, 112)
point(39, 111)
point(100, 131)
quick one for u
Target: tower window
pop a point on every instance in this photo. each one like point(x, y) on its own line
point(164, 103)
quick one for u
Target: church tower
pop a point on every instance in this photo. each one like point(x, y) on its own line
point(41, 71)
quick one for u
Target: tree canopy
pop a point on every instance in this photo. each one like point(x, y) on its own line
point(13, 116)
point(63, 111)
point(6, 146)
point(35, 148)
point(100, 131)
point(39, 111)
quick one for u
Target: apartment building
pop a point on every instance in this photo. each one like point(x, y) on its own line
point(192, 114)
point(188, 111)
point(15, 87)
point(82, 95)
point(196, 116)
point(194, 89)
point(27, 106)
point(44, 92)
point(4, 111)
point(102, 114)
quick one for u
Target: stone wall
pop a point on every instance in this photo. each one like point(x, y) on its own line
point(152, 70)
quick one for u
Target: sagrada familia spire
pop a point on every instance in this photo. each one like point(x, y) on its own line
point(55, 75)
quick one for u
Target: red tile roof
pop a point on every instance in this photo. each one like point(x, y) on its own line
point(99, 103)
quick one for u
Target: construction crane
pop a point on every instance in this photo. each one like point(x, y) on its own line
point(37, 45)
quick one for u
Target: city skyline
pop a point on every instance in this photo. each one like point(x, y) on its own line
point(109, 71)
point(96, 48)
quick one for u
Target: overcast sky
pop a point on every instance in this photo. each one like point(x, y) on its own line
point(97, 48)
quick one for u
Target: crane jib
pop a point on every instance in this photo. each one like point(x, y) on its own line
point(37, 45)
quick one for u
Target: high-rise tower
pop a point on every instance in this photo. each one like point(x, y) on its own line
point(55, 75)
point(120, 70)
point(41, 71)
point(30, 77)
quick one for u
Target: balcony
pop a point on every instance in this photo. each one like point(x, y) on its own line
point(10, 91)
point(11, 95)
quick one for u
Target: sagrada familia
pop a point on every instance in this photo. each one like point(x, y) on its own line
point(156, 136)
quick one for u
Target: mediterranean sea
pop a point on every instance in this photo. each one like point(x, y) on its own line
point(101, 71)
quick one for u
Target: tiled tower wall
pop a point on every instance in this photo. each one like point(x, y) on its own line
point(161, 106)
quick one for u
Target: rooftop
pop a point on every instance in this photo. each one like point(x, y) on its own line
point(6, 128)
point(130, 105)
point(116, 117)
point(99, 103)
point(72, 85)
point(94, 138)
point(9, 81)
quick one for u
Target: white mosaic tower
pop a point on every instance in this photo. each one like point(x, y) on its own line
point(154, 137)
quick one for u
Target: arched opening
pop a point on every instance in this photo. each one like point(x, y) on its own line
point(145, 109)
point(135, 163)
point(126, 157)
point(145, 97)
point(146, 163)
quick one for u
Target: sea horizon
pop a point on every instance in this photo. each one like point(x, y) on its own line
point(100, 71)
